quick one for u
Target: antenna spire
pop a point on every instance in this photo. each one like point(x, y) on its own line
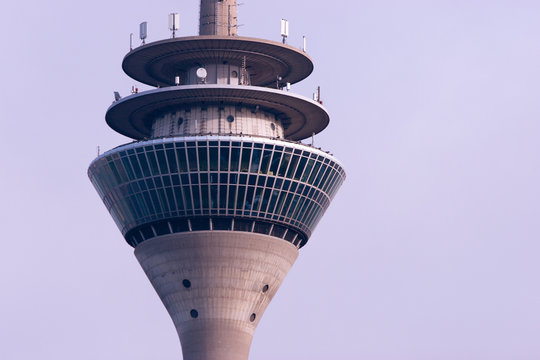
point(218, 17)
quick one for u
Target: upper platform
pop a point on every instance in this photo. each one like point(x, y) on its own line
point(158, 63)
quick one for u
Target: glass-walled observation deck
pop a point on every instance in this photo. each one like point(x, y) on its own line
point(179, 184)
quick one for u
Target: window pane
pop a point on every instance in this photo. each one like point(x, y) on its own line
point(222, 224)
point(273, 201)
point(163, 199)
point(293, 205)
point(203, 159)
point(246, 154)
point(172, 161)
point(223, 197)
point(308, 169)
point(187, 197)
point(278, 231)
point(224, 159)
point(196, 198)
point(320, 175)
point(284, 164)
point(257, 199)
point(162, 161)
point(115, 173)
point(279, 205)
point(135, 165)
point(178, 196)
point(213, 196)
point(255, 160)
point(299, 206)
point(127, 166)
point(192, 156)
point(182, 163)
point(170, 198)
point(249, 198)
point(200, 224)
point(241, 194)
point(314, 172)
point(204, 195)
point(266, 199)
point(121, 170)
point(141, 204)
point(232, 196)
point(144, 165)
point(214, 159)
point(235, 159)
point(262, 227)
point(242, 225)
point(287, 203)
point(265, 161)
point(275, 163)
point(300, 169)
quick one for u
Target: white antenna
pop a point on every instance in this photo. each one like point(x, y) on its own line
point(130, 41)
point(177, 80)
point(174, 23)
point(284, 29)
point(304, 48)
point(143, 31)
point(288, 86)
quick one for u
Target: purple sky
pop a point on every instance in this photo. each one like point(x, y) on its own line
point(430, 250)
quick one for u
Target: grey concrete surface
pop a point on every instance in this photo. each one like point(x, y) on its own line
point(216, 286)
point(218, 17)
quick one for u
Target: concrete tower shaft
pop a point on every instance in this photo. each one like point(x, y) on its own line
point(218, 17)
point(216, 286)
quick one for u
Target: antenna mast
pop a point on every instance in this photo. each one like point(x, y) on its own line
point(218, 17)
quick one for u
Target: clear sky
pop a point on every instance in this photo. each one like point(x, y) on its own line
point(429, 252)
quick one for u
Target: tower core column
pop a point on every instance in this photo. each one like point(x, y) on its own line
point(216, 286)
point(218, 17)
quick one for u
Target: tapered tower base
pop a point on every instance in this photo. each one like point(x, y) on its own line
point(216, 286)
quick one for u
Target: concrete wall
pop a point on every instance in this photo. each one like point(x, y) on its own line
point(218, 17)
point(214, 120)
point(216, 286)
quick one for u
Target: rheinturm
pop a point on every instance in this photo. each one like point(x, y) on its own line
point(217, 193)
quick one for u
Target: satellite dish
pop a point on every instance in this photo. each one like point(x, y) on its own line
point(201, 73)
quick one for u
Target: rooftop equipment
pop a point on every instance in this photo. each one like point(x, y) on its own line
point(143, 31)
point(174, 23)
point(284, 29)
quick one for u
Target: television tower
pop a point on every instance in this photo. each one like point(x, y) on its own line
point(216, 194)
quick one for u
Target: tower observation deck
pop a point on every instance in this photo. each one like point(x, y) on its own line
point(216, 194)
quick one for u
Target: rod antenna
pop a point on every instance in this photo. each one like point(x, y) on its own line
point(284, 29)
point(174, 23)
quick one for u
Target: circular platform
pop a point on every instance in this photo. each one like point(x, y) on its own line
point(132, 116)
point(157, 63)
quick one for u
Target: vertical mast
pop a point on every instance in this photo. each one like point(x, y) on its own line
point(218, 17)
